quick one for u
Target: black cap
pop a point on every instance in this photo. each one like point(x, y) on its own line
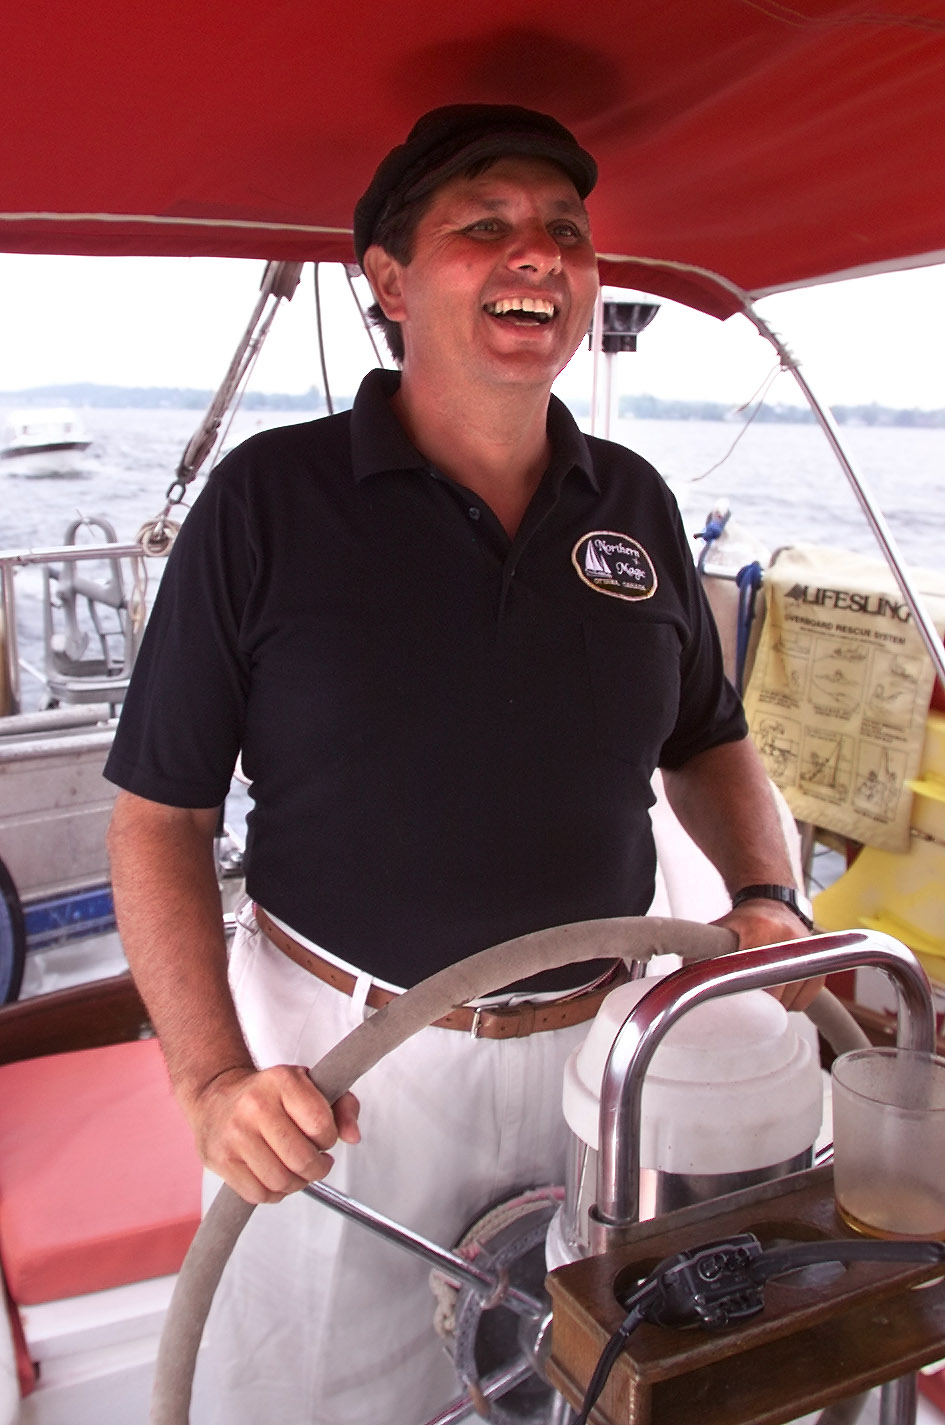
point(445, 141)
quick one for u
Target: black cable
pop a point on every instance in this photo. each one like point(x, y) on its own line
point(721, 1283)
point(777, 1261)
point(639, 1301)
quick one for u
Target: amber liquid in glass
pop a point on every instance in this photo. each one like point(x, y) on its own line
point(913, 1204)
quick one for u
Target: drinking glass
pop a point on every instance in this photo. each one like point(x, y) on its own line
point(889, 1142)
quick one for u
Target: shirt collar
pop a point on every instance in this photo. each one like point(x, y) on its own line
point(379, 442)
point(569, 447)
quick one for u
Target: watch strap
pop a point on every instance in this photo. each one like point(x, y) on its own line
point(787, 895)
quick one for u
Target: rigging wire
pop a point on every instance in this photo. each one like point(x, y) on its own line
point(320, 338)
point(757, 400)
point(279, 282)
point(350, 273)
point(244, 383)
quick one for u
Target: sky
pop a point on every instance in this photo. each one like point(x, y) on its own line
point(175, 322)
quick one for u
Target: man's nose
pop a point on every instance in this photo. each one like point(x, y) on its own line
point(537, 251)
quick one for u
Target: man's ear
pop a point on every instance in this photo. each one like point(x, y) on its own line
point(383, 273)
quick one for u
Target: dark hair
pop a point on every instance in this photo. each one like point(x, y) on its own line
point(389, 330)
point(395, 233)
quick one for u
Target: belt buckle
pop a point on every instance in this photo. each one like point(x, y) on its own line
point(474, 1027)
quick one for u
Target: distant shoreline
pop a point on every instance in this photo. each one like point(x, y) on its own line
point(87, 395)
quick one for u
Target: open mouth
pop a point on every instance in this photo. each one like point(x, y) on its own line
point(532, 311)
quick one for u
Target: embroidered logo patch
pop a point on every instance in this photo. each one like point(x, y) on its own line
point(615, 564)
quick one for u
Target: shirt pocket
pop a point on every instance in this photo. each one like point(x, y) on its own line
point(634, 677)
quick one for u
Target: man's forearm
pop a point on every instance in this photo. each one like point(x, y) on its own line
point(265, 1132)
point(170, 918)
point(724, 801)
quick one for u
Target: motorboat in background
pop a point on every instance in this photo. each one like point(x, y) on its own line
point(39, 442)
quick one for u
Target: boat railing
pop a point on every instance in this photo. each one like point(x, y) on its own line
point(84, 618)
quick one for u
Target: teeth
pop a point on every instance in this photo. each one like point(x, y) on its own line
point(538, 305)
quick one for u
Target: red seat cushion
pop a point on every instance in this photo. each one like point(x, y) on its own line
point(99, 1178)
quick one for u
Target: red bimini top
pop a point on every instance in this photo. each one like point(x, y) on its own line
point(744, 145)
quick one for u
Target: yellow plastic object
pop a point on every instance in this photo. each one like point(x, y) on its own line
point(902, 894)
point(928, 807)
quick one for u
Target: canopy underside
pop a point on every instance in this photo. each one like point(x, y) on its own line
point(744, 145)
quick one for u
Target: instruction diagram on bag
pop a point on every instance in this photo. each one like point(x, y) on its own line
point(838, 700)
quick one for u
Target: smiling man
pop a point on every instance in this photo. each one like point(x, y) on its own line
point(451, 638)
point(500, 286)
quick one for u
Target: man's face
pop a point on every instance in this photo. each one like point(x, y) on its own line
point(502, 281)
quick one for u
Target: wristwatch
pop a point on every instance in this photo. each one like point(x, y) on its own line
point(792, 898)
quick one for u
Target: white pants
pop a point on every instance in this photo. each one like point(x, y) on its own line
point(317, 1321)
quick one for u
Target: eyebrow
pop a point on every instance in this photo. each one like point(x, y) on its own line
point(563, 207)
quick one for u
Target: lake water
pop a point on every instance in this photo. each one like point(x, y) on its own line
point(782, 483)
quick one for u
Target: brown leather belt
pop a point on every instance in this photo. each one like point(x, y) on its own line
point(498, 1022)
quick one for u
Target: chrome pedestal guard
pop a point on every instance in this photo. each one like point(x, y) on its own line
point(618, 1180)
point(669, 999)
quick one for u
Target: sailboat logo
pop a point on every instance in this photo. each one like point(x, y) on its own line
point(594, 562)
point(614, 564)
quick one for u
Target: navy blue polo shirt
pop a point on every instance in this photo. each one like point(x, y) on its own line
point(450, 735)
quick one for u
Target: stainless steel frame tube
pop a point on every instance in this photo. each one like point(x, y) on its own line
point(670, 998)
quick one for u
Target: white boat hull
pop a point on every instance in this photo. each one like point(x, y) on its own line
point(45, 462)
point(96, 1357)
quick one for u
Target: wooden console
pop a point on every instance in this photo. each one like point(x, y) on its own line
point(825, 1333)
